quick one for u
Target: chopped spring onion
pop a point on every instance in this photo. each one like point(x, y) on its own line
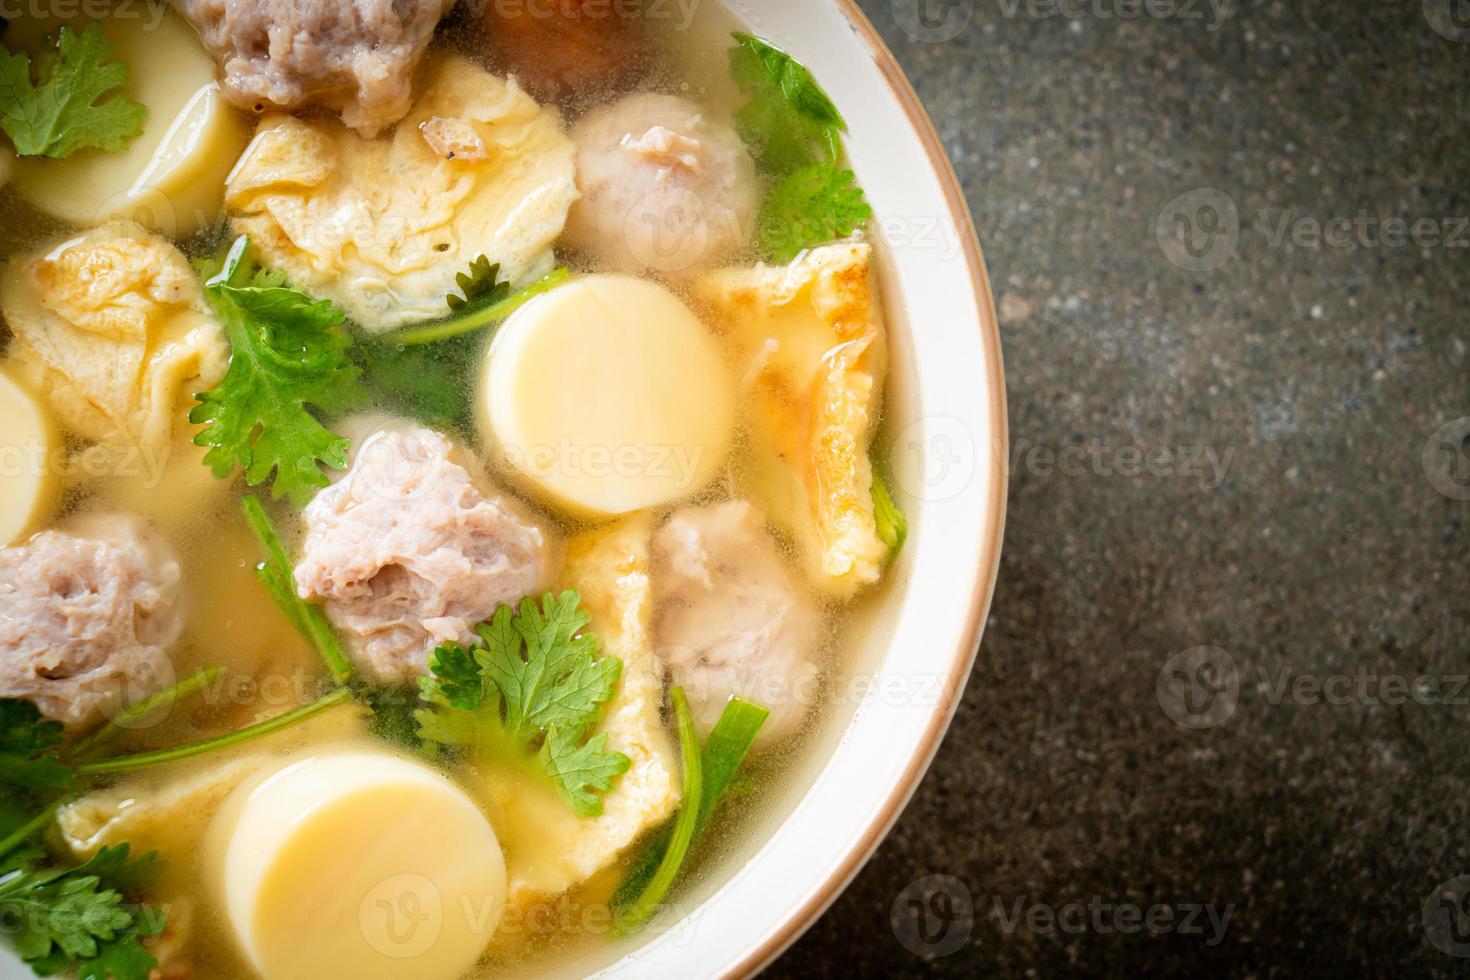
point(130, 717)
point(275, 575)
point(723, 754)
point(644, 907)
point(143, 760)
point(478, 318)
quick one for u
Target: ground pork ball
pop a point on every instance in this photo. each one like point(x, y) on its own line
point(87, 614)
point(569, 51)
point(730, 618)
point(357, 56)
point(407, 552)
point(664, 189)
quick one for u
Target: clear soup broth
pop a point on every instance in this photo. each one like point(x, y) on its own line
point(545, 341)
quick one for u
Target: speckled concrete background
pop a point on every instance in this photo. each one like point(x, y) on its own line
point(1259, 469)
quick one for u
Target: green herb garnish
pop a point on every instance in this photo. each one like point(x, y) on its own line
point(723, 754)
point(275, 575)
point(686, 824)
point(790, 122)
point(134, 715)
point(29, 745)
point(428, 382)
point(480, 286)
point(893, 526)
point(230, 740)
point(795, 133)
point(64, 110)
point(288, 357)
point(76, 919)
point(814, 205)
point(480, 312)
point(529, 693)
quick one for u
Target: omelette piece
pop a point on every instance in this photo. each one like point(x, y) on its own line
point(382, 226)
point(549, 849)
point(813, 345)
point(113, 330)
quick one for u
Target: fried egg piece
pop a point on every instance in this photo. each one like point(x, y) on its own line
point(113, 330)
point(813, 343)
point(382, 226)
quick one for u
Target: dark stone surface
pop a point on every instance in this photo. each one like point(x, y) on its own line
point(1315, 375)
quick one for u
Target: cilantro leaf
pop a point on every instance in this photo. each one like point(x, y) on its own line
point(392, 717)
point(456, 678)
point(790, 122)
point(113, 865)
point(812, 206)
point(583, 772)
point(124, 958)
point(481, 286)
point(288, 357)
point(427, 382)
point(64, 110)
point(70, 913)
point(27, 760)
point(31, 776)
point(528, 694)
point(76, 917)
point(546, 667)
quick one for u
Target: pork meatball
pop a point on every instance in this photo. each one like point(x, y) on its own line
point(664, 189)
point(356, 56)
point(567, 51)
point(407, 552)
point(87, 614)
point(730, 619)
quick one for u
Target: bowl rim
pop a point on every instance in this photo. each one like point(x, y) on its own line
point(836, 879)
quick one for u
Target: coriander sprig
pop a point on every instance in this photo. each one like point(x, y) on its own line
point(794, 131)
point(275, 574)
point(529, 693)
point(260, 729)
point(288, 361)
point(723, 754)
point(686, 824)
point(77, 100)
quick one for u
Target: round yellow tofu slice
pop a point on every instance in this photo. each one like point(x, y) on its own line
point(608, 396)
point(28, 479)
point(171, 179)
point(357, 863)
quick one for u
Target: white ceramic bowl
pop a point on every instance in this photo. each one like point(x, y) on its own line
point(946, 433)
